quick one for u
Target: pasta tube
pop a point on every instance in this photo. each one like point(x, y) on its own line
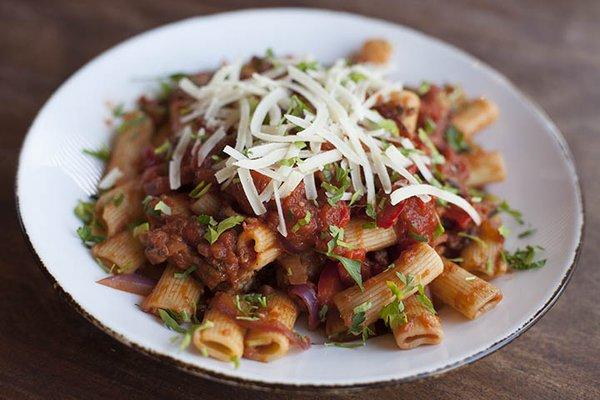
point(475, 116)
point(121, 253)
point(267, 345)
point(465, 292)
point(420, 261)
point(422, 326)
point(224, 340)
point(369, 239)
point(173, 293)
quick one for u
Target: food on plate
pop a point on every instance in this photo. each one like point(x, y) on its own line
point(242, 199)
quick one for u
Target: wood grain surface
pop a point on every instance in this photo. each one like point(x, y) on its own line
point(550, 49)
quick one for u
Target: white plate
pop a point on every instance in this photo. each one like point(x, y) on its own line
point(53, 174)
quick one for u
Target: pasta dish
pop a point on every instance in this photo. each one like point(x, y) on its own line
point(239, 200)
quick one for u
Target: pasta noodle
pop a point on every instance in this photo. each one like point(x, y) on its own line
point(475, 116)
point(268, 345)
point(369, 239)
point(284, 186)
point(120, 206)
point(121, 253)
point(486, 168)
point(177, 294)
point(465, 292)
point(422, 327)
point(223, 340)
point(134, 134)
point(420, 261)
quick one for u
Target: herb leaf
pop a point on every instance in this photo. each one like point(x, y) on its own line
point(102, 153)
point(456, 140)
point(516, 214)
point(523, 259)
point(302, 222)
point(213, 232)
point(186, 273)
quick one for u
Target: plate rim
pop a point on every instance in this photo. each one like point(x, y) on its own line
point(328, 387)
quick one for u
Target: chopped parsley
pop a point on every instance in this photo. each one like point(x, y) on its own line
point(370, 211)
point(170, 320)
point(389, 126)
point(85, 211)
point(393, 313)
point(436, 157)
point(302, 222)
point(424, 87)
point(516, 214)
point(335, 193)
point(289, 162)
point(357, 76)
point(473, 238)
point(307, 65)
point(87, 237)
point(186, 273)
point(346, 345)
point(356, 196)
point(297, 106)
point(504, 231)
point(424, 300)
point(353, 267)
point(369, 225)
point(439, 230)
point(103, 153)
point(358, 319)
point(141, 228)
point(200, 190)
point(235, 360)
point(429, 126)
point(164, 148)
point(527, 233)
point(215, 230)
point(118, 110)
point(249, 304)
point(417, 237)
point(130, 123)
point(524, 259)
point(456, 140)
point(163, 208)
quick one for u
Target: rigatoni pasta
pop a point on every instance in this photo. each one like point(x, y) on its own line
point(421, 328)
point(327, 191)
point(465, 292)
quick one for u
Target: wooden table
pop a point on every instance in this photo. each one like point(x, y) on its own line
point(550, 49)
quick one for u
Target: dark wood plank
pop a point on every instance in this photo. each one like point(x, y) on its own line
point(548, 48)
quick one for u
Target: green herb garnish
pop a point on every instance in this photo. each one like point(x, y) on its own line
point(390, 126)
point(102, 154)
point(456, 140)
point(200, 190)
point(524, 259)
point(214, 231)
point(527, 233)
point(186, 273)
point(302, 222)
point(516, 214)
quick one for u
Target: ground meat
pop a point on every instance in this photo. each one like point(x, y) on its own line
point(174, 242)
point(222, 254)
point(295, 208)
point(255, 65)
point(393, 112)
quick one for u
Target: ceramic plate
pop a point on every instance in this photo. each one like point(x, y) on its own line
point(53, 174)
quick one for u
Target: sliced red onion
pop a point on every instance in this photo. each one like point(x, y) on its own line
point(130, 283)
point(306, 293)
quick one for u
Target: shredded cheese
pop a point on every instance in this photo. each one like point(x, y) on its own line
point(289, 124)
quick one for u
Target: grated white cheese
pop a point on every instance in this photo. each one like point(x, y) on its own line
point(110, 179)
point(423, 189)
point(175, 163)
point(287, 148)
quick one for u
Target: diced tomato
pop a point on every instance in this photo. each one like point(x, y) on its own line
point(329, 284)
point(338, 215)
point(260, 181)
point(458, 216)
point(416, 219)
point(387, 217)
